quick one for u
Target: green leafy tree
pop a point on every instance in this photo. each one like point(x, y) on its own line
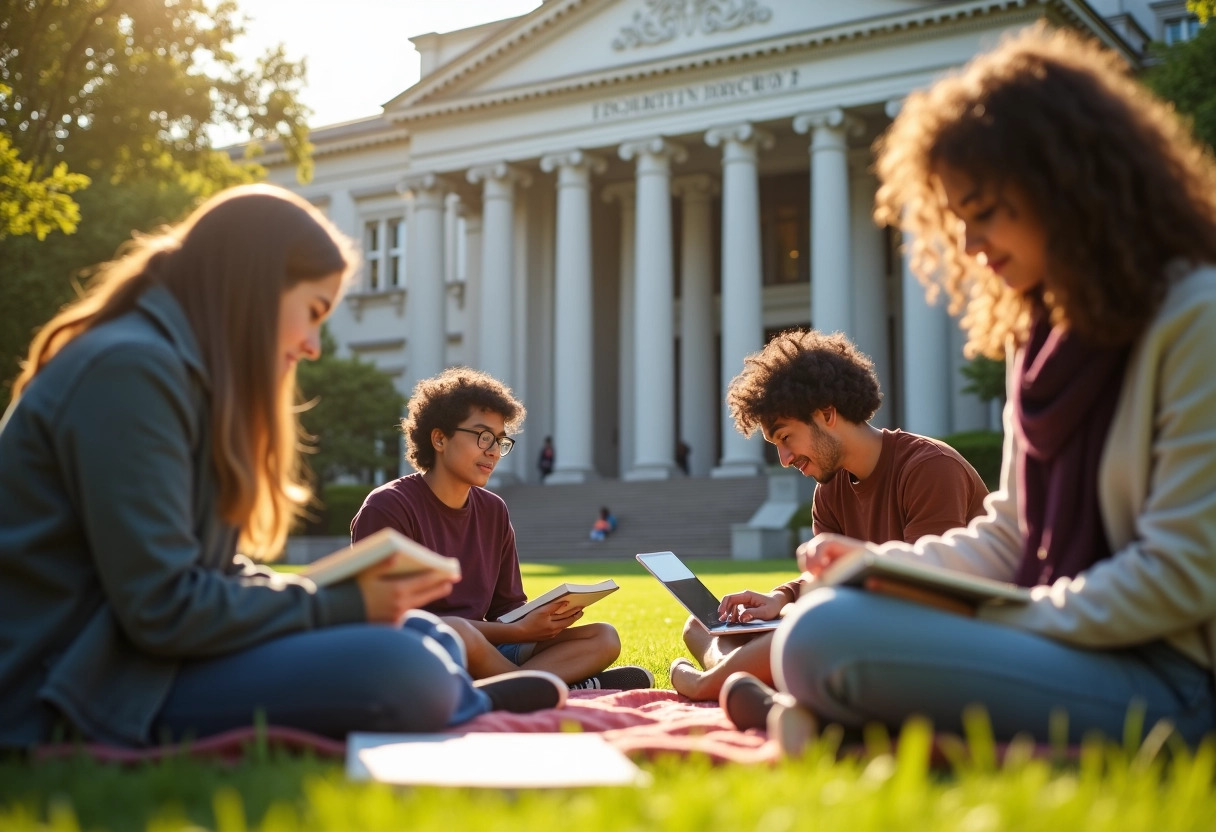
point(985, 379)
point(1186, 75)
point(35, 205)
point(106, 109)
point(355, 415)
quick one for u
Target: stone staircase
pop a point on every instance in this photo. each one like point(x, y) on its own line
point(690, 516)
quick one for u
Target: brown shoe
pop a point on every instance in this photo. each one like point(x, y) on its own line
point(746, 701)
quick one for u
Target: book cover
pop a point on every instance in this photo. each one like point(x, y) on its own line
point(577, 596)
point(854, 568)
point(346, 563)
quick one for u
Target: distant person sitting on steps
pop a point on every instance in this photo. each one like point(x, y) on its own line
point(812, 395)
point(456, 432)
point(604, 525)
point(545, 463)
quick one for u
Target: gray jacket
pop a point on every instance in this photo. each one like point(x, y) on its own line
point(115, 564)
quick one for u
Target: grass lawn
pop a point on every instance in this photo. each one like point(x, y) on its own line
point(1108, 789)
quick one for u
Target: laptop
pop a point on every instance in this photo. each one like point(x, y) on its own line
point(695, 596)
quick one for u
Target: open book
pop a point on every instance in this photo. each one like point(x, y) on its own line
point(854, 568)
point(576, 596)
point(348, 562)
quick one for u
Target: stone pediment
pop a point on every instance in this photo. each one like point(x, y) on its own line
point(575, 44)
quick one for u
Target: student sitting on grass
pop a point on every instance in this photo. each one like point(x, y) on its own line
point(1077, 216)
point(813, 395)
point(152, 431)
point(455, 434)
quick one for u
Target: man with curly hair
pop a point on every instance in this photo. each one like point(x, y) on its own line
point(456, 431)
point(812, 395)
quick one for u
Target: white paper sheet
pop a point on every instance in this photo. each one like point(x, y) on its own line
point(501, 761)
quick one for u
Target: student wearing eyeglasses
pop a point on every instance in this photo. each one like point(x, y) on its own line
point(456, 431)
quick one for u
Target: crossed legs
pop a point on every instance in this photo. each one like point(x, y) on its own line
point(573, 654)
point(720, 656)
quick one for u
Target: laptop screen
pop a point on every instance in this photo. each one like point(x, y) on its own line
point(686, 586)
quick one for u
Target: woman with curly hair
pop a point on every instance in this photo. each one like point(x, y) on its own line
point(1075, 217)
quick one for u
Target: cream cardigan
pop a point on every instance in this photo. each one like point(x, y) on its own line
point(1157, 493)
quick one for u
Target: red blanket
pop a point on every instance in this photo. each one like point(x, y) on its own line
point(639, 722)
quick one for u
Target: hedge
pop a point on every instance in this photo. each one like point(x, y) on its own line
point(982, 448)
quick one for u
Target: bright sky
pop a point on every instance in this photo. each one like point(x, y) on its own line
point(357, 50)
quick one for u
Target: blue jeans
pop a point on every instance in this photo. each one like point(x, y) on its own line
point(356, 677)
point(854, 657)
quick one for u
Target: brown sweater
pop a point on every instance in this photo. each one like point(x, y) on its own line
point(920, 486)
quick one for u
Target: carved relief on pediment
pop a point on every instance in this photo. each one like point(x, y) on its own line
point(664, 20)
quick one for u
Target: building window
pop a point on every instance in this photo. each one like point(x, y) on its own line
point(1179, 29)
point(371, 254)
point(785, 228)
point(396, 252)
point(384, 254)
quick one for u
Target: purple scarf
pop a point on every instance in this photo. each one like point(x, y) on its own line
point(1064, 398)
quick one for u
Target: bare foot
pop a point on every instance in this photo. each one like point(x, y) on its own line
point(686, 679)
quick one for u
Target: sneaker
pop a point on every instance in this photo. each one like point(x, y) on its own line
point(746, 701)
point(523, 691)
point(626, 677)
point(792, 725)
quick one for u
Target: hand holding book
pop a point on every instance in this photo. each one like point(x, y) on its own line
point(394, 574)
point(547, 621)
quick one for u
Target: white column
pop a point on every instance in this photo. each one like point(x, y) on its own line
point(654, 361)
point(451, 213)
point(742, 267)
point(427, 337)
point(967, 411)
point(698, 388)
point(574, 324)
point(624, 193)
point(472, 280)
point(831, 293)
point(496, 354)
point(926, 386)
point(871, 307)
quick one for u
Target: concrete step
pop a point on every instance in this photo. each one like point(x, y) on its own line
point(690, 516)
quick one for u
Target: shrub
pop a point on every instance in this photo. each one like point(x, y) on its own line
point(801, 517)
point(339, 504)
point(982, 448)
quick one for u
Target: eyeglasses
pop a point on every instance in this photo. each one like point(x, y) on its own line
point(486, 438)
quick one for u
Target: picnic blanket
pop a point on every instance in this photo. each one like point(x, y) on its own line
point(638, 722)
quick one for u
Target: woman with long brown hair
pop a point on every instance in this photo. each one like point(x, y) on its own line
point(1075, 217)
point(151, 434)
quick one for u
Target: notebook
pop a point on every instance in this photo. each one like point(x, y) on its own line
point(854, 568)
point(695, 596)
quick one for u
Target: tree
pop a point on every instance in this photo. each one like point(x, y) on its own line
point(110, 86)
point(31, 204)
point(1203, 9)
point(1186, 75)
point(105, 108)
point(355, 415)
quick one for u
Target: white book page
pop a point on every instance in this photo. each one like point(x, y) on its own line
point(499, 761)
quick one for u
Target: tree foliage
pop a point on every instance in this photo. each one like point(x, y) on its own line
point(985, 378)
point(355, 416)
point(109, 86)
point(1203, 9)
point(106, 109)
point(1186, 75)
point(32, 204)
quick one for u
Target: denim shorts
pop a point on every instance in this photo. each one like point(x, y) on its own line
point(517, 652)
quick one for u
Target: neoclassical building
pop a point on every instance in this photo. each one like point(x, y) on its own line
point(609, 203)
